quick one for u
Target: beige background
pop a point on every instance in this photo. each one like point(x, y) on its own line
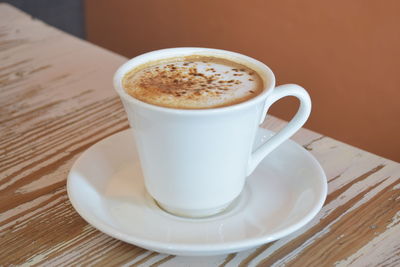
point(345, 53)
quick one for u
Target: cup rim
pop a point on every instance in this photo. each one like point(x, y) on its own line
point(265, 72)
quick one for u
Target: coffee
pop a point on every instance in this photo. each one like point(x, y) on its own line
point(193, 82)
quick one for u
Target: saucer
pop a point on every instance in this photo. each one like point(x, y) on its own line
point(105, 186)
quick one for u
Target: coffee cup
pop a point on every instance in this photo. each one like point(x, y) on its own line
point(195, 160)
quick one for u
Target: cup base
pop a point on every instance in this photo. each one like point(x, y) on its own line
point(193, 213)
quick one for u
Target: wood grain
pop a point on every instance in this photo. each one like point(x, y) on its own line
point(57, 100)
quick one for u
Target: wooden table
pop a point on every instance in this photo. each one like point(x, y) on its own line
point(57, 100)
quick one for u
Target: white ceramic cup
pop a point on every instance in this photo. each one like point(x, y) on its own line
point(195, 162)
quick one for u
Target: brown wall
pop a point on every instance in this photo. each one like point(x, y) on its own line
point(345, 53)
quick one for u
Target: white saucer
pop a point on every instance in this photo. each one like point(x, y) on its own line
point(285, 192)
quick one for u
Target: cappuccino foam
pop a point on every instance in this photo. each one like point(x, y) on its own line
point(193, 82)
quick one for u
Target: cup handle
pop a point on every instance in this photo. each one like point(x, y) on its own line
point(293, 126)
